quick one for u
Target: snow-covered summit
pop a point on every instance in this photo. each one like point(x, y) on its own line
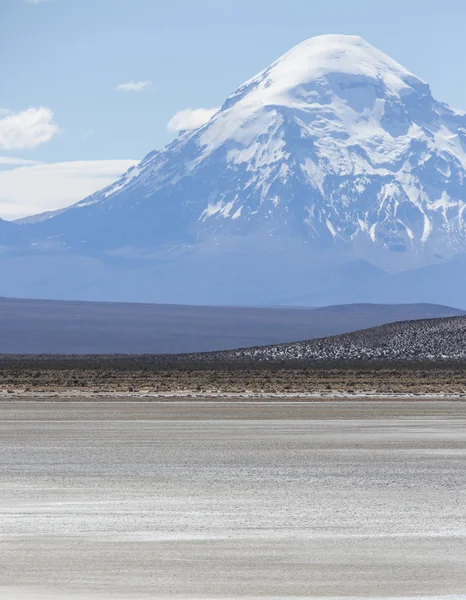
point(295, 79)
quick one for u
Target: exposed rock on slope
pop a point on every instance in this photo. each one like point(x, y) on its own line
point(429, 339)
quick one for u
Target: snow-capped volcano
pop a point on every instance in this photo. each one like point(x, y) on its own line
point(333, 165)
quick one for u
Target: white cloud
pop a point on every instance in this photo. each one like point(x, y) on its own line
point(26, 129)
point(133, 86)
point(190, 118)
point(29, 190)
point(36, 1)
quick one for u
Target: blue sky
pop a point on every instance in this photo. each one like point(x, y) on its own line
point(103, 78)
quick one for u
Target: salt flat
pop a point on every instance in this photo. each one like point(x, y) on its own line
point(102, 500)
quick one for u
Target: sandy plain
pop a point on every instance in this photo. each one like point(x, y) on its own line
point(139, 500)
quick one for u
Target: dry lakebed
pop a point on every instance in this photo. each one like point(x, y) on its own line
point(113, 498)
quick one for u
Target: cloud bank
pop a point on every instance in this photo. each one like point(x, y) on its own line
point(26, 129)
point(191, 118)
point(28, 190)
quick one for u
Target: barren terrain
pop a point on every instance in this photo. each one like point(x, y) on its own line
point(104, 500)
point(165, 376)
point(70, 327)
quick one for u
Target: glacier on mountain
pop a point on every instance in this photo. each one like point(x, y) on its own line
point(324, 178)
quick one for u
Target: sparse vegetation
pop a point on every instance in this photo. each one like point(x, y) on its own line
point(151, 374)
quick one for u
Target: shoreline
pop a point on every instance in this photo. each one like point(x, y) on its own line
point(224, 397)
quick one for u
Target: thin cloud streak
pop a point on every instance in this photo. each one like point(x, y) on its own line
point(87, 134)
point(133, 86)
point(14, 161)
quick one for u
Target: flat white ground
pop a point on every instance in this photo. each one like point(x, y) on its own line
point(103, 500)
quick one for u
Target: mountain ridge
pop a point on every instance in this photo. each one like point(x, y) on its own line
point(332, 160)
point(58, 327)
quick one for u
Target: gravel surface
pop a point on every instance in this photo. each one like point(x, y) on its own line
point(423, 340)
point(104, 500)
